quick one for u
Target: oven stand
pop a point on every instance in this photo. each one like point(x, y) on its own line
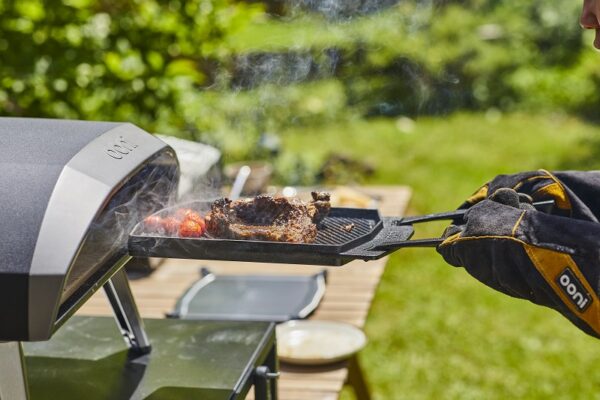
point(13, 377)
point(126, 312)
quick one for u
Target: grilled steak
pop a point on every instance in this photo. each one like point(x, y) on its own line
point(279, 219)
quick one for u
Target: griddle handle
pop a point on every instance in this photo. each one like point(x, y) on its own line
point(398, 231)
point(450, 215)
point(397, 235)
point(395, 228)
point(545, 206)
point(433, 242)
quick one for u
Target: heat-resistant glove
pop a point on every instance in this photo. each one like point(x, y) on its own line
point(549, 259)
point(576, 194)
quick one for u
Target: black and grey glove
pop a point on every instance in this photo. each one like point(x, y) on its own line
point(576, 193)
point(549, 259)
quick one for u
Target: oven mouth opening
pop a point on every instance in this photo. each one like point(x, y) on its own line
point(90, 286)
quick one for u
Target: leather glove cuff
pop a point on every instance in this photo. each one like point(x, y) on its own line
point(547, 259)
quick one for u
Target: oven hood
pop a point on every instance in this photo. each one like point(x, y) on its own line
point(69, 190)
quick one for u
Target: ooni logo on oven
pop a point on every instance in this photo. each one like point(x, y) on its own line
point(572, 287)
point(120, 148)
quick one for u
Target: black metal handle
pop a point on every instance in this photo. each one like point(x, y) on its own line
point(449, 215)
point(430, 242)
point(545, 206)
point(395, 225)
point(395, 235)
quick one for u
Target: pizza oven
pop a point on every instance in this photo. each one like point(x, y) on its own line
point(70, 193)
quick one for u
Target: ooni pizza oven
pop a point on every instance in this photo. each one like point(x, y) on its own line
point(70, 192)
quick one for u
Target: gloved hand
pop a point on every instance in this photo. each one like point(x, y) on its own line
point(576, 194)
point(549, 259)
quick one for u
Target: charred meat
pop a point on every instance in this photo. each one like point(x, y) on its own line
point(320, 206)
point(348, 228)
point(279, 219)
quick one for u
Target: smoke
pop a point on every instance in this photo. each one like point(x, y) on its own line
point(155, 188)
point(283, 68)
point(151, 189)
point(342, 9)
point(254, 69)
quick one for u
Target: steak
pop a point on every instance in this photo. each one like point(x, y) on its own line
point(278, 219)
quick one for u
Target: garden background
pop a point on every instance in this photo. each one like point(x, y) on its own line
point(438, 95)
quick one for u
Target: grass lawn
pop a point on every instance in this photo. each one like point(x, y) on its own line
point(436, 333)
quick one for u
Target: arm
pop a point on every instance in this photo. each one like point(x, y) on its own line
point(551, 260)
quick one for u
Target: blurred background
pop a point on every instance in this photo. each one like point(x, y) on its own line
point(440, 95)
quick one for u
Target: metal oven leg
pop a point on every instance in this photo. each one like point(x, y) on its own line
point(265, 378)
point(13, 376)
point(126, 312)
point(273, 363)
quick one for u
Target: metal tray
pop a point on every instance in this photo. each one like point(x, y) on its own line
point(273, 298)
point(371, 238)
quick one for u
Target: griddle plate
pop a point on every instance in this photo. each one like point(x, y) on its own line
point(334, 245)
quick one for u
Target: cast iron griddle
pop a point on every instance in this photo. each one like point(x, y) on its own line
point(371, 238)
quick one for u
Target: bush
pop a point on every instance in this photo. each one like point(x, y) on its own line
point(129, 60)
point(415, 58)
point(226, 73)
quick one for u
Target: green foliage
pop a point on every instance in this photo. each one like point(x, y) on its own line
point(178, 66)
point(419, 58)
point(130, 60)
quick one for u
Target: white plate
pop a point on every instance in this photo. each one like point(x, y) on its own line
point(317, 342)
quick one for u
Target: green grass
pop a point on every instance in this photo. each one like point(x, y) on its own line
point(436, 333)
point(309, 31)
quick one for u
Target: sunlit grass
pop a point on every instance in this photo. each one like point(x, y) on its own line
point(436, 333)
point(310, 31)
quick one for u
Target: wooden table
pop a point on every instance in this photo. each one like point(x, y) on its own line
point(350, 291)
